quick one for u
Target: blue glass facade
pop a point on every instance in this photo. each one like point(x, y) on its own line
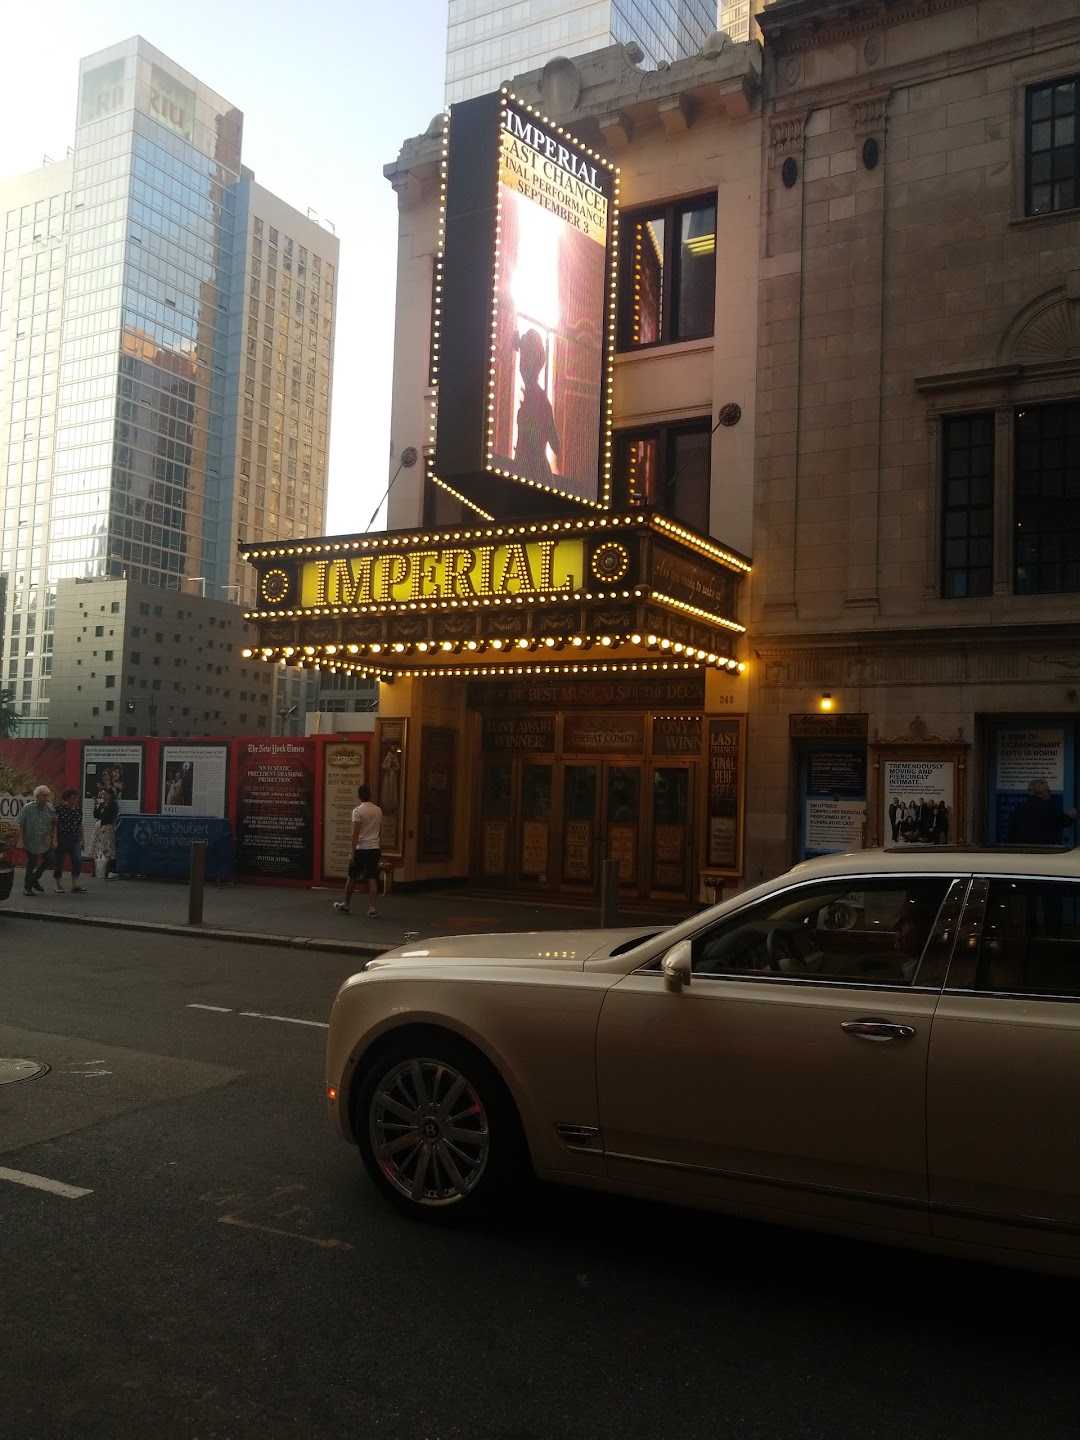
point(164, 389)
point(489, 41)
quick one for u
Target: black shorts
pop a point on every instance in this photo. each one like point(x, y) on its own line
point(365, 865)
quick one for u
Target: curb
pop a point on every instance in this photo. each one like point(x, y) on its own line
point(239, 937)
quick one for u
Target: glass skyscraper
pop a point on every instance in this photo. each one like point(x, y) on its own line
point(166, 344)
point(488, 41)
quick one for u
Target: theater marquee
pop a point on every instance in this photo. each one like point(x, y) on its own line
point(605, 595)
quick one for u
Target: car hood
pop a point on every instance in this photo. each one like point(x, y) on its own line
point(549, 949)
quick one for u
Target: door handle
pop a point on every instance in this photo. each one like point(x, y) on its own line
point(877, 1029)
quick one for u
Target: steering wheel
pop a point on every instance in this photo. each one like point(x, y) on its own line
point(780, 947)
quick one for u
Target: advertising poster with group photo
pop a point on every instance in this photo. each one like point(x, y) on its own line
point(275, 809)
point(548, 347)
point(118, 768)
point(194, 779)
point(24, 765)
point(919, 800)
point(344, 771)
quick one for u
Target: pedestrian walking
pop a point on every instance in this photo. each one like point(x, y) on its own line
point(69, 840)
point(37, 836)
point(103, 844)
point(366, 828)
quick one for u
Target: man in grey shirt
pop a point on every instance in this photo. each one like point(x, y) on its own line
point(37, 836)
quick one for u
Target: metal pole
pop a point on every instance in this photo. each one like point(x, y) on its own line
point(609, 894)
point(198, 882)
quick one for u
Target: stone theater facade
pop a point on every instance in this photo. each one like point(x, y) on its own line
point(816, 304)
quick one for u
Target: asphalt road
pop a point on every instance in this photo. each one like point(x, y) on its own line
point(231, 1274)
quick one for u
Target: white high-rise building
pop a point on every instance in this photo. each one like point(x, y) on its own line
point(487, 41)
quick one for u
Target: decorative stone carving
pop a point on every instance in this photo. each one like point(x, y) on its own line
point(786, 138)
point(1051, 334)
point(868, 113)
point(617, 130)
point(791, 72)
point(676, 115)
point(918, 733)
point(872, 49)
point(560, 86)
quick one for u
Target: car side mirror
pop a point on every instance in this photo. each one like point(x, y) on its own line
point(676, 966)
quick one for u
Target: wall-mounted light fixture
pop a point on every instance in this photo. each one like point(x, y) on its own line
point(826, 701)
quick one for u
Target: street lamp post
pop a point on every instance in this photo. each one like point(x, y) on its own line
point(153, 717)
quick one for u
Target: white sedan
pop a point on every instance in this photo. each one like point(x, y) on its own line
point(881, 1044)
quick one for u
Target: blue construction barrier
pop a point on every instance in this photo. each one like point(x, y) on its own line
point(159, 846)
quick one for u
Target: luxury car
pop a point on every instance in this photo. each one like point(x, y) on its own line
point(883, 1044)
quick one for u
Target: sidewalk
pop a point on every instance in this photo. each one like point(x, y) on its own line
point(281, 915)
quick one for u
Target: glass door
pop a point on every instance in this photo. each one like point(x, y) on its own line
point(623, 814)
point(535, 843)
point(495, 819)
point(579, 825)
point(672, 831)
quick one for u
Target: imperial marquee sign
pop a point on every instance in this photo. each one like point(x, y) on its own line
point(454, 572)
point(633, 592)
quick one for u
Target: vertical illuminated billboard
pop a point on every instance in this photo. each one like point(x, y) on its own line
point(524, 314)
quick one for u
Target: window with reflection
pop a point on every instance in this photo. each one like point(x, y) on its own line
point(667, 277)
point(668, 468)
point(1046, 499)
point(878, 930)
point(1052, 146)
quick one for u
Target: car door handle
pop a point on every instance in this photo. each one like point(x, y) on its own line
point(877, 1029)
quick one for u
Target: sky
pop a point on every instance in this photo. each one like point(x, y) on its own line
point(329, 89)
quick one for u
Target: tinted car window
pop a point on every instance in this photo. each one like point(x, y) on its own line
point(1030, 940)
point(878, 930)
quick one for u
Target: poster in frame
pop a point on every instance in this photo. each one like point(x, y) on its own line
point(388, 782)
point(724, 790)
point(919, 793)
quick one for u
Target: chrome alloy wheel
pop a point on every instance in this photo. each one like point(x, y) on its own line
point(429, 1131)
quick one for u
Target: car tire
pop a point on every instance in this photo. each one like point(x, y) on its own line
point(437, 1129)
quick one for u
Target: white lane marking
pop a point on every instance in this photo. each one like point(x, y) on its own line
point(42, 1182)
point(285, 1019)
point(218, 1009)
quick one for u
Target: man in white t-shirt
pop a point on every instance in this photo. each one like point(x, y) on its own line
point(366, 827)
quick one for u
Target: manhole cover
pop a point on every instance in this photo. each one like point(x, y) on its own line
point(12, 1070)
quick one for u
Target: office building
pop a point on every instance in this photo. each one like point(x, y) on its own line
point(487, 41)
point(166, 344)
point(737, 18)
point(138, 659)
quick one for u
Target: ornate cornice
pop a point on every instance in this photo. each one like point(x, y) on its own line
point(807, 24)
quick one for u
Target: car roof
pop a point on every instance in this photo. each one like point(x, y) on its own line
point(1048, 860)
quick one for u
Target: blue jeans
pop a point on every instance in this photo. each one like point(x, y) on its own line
point(68, 845)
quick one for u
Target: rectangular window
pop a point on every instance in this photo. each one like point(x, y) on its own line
point(1051, 147)
point(1046, 499)
point(667, 280)
point(1031, 938)
point(967, 505)
point(110, 682)
point(667, 468)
